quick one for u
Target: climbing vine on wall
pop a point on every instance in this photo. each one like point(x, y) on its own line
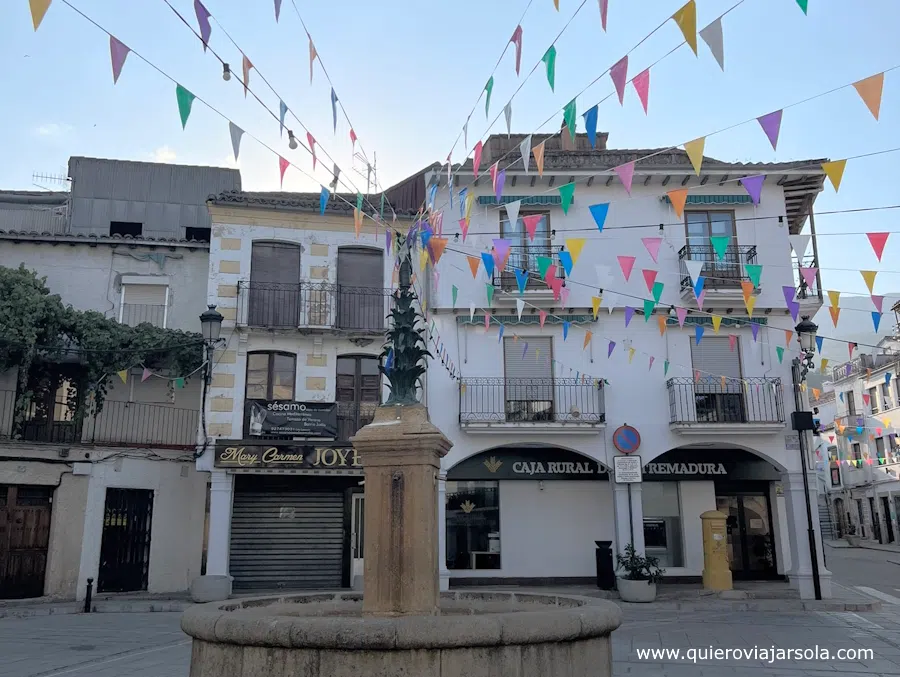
point(40, 336)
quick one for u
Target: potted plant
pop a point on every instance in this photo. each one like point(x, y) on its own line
point(638, 584)
point(851, 536)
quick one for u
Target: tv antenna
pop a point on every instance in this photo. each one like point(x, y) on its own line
point(371, 171)
point(59, 179)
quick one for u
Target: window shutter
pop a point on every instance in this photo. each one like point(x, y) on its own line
point(145, 294)
point(533, 365)
point(714, 359)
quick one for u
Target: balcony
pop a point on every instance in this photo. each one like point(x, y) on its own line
point(556, 405)
point(118, 424)
point(809, 296)
point(707, 407)
point(313, 306)
point(524, 257)
point(134, 314)
point(722, 276)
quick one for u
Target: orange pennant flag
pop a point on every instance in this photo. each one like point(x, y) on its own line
point(661, 320)
point(587, 339)
point(869, 277)
point(835, 172)
point(716, 323)
point(835, 314)
point(312, 58)
point(678, 198)
point(538, 151)
point(357, 221)
point(751, 304)
point(38, 10)
point(694, 149)
point(473, 265)
point(788, 335)
point(747, 288)
point(869, 90)
point(437, 244)
point(686, 18)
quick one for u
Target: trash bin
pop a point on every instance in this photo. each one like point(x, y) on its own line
point(606, 575)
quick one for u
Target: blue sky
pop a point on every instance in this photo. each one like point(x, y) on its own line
point(409, 72)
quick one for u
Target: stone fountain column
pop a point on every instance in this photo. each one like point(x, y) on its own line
point(401, 453)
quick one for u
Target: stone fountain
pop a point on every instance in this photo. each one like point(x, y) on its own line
point(402, 625)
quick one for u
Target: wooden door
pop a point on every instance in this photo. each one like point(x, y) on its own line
point(24, 540)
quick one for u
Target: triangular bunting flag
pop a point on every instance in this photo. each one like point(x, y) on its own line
point(753, 185)
point(236, 134)
point(610, 349)
point(185, 101)
point(146, 374)
point(698, 334)
point(789, 293)
point(521, 279)
point(507, 115)
point(661, 321)
point(542, 317)
point(665, 367)
point(732, 342)
point(694, 149)
point(686, 18)
point(38, 10)
point(876, 320)
point(565, 258)
point(587, 339)
point(549, 60)
point(681, 314)
point(878, 240)
point(652, 245)
point(804, 5)
point(788, 335)
point(712, 36)
point(780, 352)
point(538, 151)
point(118, 52)
point(543, 264)
point(282, 168)
point(488, 260)
point(809, 275)
point(476, 157)
point(819, 341)
point(203, 21)
point(751, 304)
point(489, 87)
point(489, 290)
point(835, 172)
point(835, 314)
point(569, 115)
point(245, 67)
point(437, 246)
point(870, 90)
point(282, 112)
point(641, 83)
point(869, 277)
point(629, 313)
point(877, 301)
point(566, 193)
point(626, 263)
point(454, 293)
point(631, 352)
point(473, 265)
point(720, 245)
point(520, 306)
point(574, 245)
point(626, 175)
point(649, 278)
point(694, 269)
point(590, 125)
point(754, 272)
point(311, 140)
point(619, 75)
point(678, 198)
point(512, 214)
point(123, 375)
point(531, 223)
point(657, 291)
point(599, 212)
point(747, 289)
point(716, 323)
point(754, 329)
point(323, 202)
point(771, 125)
point(595, 305)
point(516, 39)
point(799, 244)
point(525, 151)
point(312, 58)
point(471, 311)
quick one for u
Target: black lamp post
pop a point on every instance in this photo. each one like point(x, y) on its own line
point(210, 328)
point(801, 422)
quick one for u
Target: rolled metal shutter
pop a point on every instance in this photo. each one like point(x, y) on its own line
point(529, 376)
point(285, 537)
point(714, 359)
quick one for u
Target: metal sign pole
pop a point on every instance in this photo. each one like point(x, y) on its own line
point(630, 514)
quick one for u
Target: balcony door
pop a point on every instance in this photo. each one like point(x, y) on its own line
point(274, 285)
point(357, 394)
point(700, 227)
point(529, 380)
point(361, 297)
point(716, 402)
point(524, 251)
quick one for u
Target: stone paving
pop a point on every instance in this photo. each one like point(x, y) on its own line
point(152, 645)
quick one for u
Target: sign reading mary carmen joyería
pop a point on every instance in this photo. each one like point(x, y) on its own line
point(528, 464)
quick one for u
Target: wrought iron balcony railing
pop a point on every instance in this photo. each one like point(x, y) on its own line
point(805, 291)
point(725, 272)
point(531, 400)
point(525, 257)
point(119, 424)
point(707, 400)
point(312, 305)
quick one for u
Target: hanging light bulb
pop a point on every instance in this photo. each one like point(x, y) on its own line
point(226, 72)
point(292, 143)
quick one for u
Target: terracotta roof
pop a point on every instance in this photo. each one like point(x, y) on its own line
point(80, 238)
point(304, 202)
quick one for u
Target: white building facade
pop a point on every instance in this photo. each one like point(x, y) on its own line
point(538, 410)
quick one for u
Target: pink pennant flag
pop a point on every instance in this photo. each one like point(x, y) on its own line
point(563, 294)
point(619, 75)
point(878, 240)
point(700, 299)
point(352, 139)
point(312, 147)
point(542, 317)
point(732, 342)
point(550, 274)
point(651, 363)
point(626, 263)
point(146, 374)
point(771, 125)
point(464, 227)
point(282, 168)
point(531, 223)
point(809, 275)
point(652, 245)
point(556, 284)
point(493, 172)
point(476, 158)
point(877, 301)
point(681, 313)
point(487, 320)
point(626, 174)
point(118, 51)
point(649, 278)
point(516, 39)
point(604, 9)
point(641, 83)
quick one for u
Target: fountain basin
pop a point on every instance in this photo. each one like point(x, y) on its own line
point(477, 634)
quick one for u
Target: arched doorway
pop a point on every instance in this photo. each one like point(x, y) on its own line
point(525, 515)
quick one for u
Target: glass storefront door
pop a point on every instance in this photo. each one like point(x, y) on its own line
point(751, 546)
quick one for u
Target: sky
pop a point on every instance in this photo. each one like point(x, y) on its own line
point(408, 73)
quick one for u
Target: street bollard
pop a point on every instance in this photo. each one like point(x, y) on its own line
point(87, 596)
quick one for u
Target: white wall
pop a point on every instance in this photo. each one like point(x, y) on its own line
point(696, 498)
point(550, 532)
point(88, 277)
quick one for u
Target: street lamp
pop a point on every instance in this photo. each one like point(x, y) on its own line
point(210, 328)
point(211, 325)
point(802, 421)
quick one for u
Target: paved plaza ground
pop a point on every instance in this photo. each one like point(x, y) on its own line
point(152, 644)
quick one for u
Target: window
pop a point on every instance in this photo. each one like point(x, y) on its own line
point(857, 453)
point(473, 525)
point(524, 251)
point(141, 302)
point(271, 376)
point(873, 399)
point(196, 233)
point(132, 228)
point(361, 299)
point(880, 450)
point(662, 522)
point(886, 399)
point(529, 379)
point(714, 402)
point(275, 298)
point(357, 394)
point(851, 403)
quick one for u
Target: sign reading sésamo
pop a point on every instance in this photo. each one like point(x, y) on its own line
point(282, 417)
point(298, 457)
